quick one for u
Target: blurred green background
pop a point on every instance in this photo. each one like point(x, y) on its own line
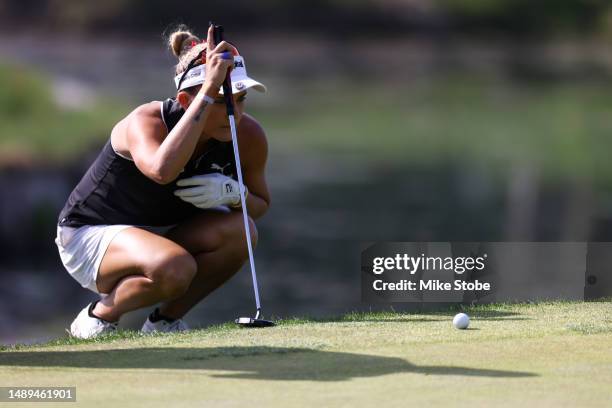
point(387, 120)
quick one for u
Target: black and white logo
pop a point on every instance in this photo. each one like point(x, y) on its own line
point(192, 74)
point(215, 166)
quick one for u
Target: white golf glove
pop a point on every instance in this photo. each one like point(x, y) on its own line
point(209, 190)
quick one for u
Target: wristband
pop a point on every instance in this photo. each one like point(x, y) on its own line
point(207, 101)
point(206, 98)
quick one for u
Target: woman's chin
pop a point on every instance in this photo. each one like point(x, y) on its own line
point(223, 135)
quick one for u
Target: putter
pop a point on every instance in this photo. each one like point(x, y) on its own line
point(229, 103)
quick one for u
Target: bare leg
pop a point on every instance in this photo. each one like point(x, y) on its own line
point(214, 269)
point(220, 252)
point(131, 293)
point(140, 269)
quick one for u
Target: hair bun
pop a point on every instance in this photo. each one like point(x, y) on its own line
point(180, 41)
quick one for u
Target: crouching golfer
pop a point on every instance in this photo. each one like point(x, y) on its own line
point(157, 217)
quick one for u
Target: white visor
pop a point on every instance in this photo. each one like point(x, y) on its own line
point(240, 80)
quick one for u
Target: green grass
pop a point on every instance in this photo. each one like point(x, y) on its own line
point(563, 129)
point(540, 354)
point(34, 126)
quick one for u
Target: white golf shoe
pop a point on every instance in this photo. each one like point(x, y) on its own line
point(163, 325)
point(86, 326)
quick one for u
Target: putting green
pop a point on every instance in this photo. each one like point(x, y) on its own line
point(546, 354)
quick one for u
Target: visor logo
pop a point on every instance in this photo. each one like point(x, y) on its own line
point(239, 86)
point(194, 73)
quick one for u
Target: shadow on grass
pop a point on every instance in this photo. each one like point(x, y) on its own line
point(263, 363)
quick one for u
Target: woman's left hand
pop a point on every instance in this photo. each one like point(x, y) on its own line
point(209, 190)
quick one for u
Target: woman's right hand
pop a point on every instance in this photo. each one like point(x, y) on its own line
point(219, 59)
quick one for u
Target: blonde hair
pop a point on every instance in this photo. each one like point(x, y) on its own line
point(185, 46)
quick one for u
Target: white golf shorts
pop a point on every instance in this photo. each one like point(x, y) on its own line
point(82, 249)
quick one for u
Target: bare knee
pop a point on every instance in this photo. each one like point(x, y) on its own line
point(254, 232)
point(235, 235)
point(172, 272)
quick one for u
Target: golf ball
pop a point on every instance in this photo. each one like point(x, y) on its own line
point(461, 321)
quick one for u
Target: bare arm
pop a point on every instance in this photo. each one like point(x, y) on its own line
point(159, 156)
point(254, 154)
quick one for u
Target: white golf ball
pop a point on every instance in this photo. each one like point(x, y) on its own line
point(461, 321)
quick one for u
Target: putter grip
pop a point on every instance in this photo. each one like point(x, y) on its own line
point(227, 84)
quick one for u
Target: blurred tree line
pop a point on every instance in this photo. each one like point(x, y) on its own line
point(340, 17)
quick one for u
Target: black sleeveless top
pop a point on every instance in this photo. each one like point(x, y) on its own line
point(114, 191)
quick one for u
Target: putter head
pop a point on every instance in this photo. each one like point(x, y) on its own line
point(251, 322)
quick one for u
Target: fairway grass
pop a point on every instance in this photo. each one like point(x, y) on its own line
point(541, 354)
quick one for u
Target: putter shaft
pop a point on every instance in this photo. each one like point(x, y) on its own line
point(244, 212)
